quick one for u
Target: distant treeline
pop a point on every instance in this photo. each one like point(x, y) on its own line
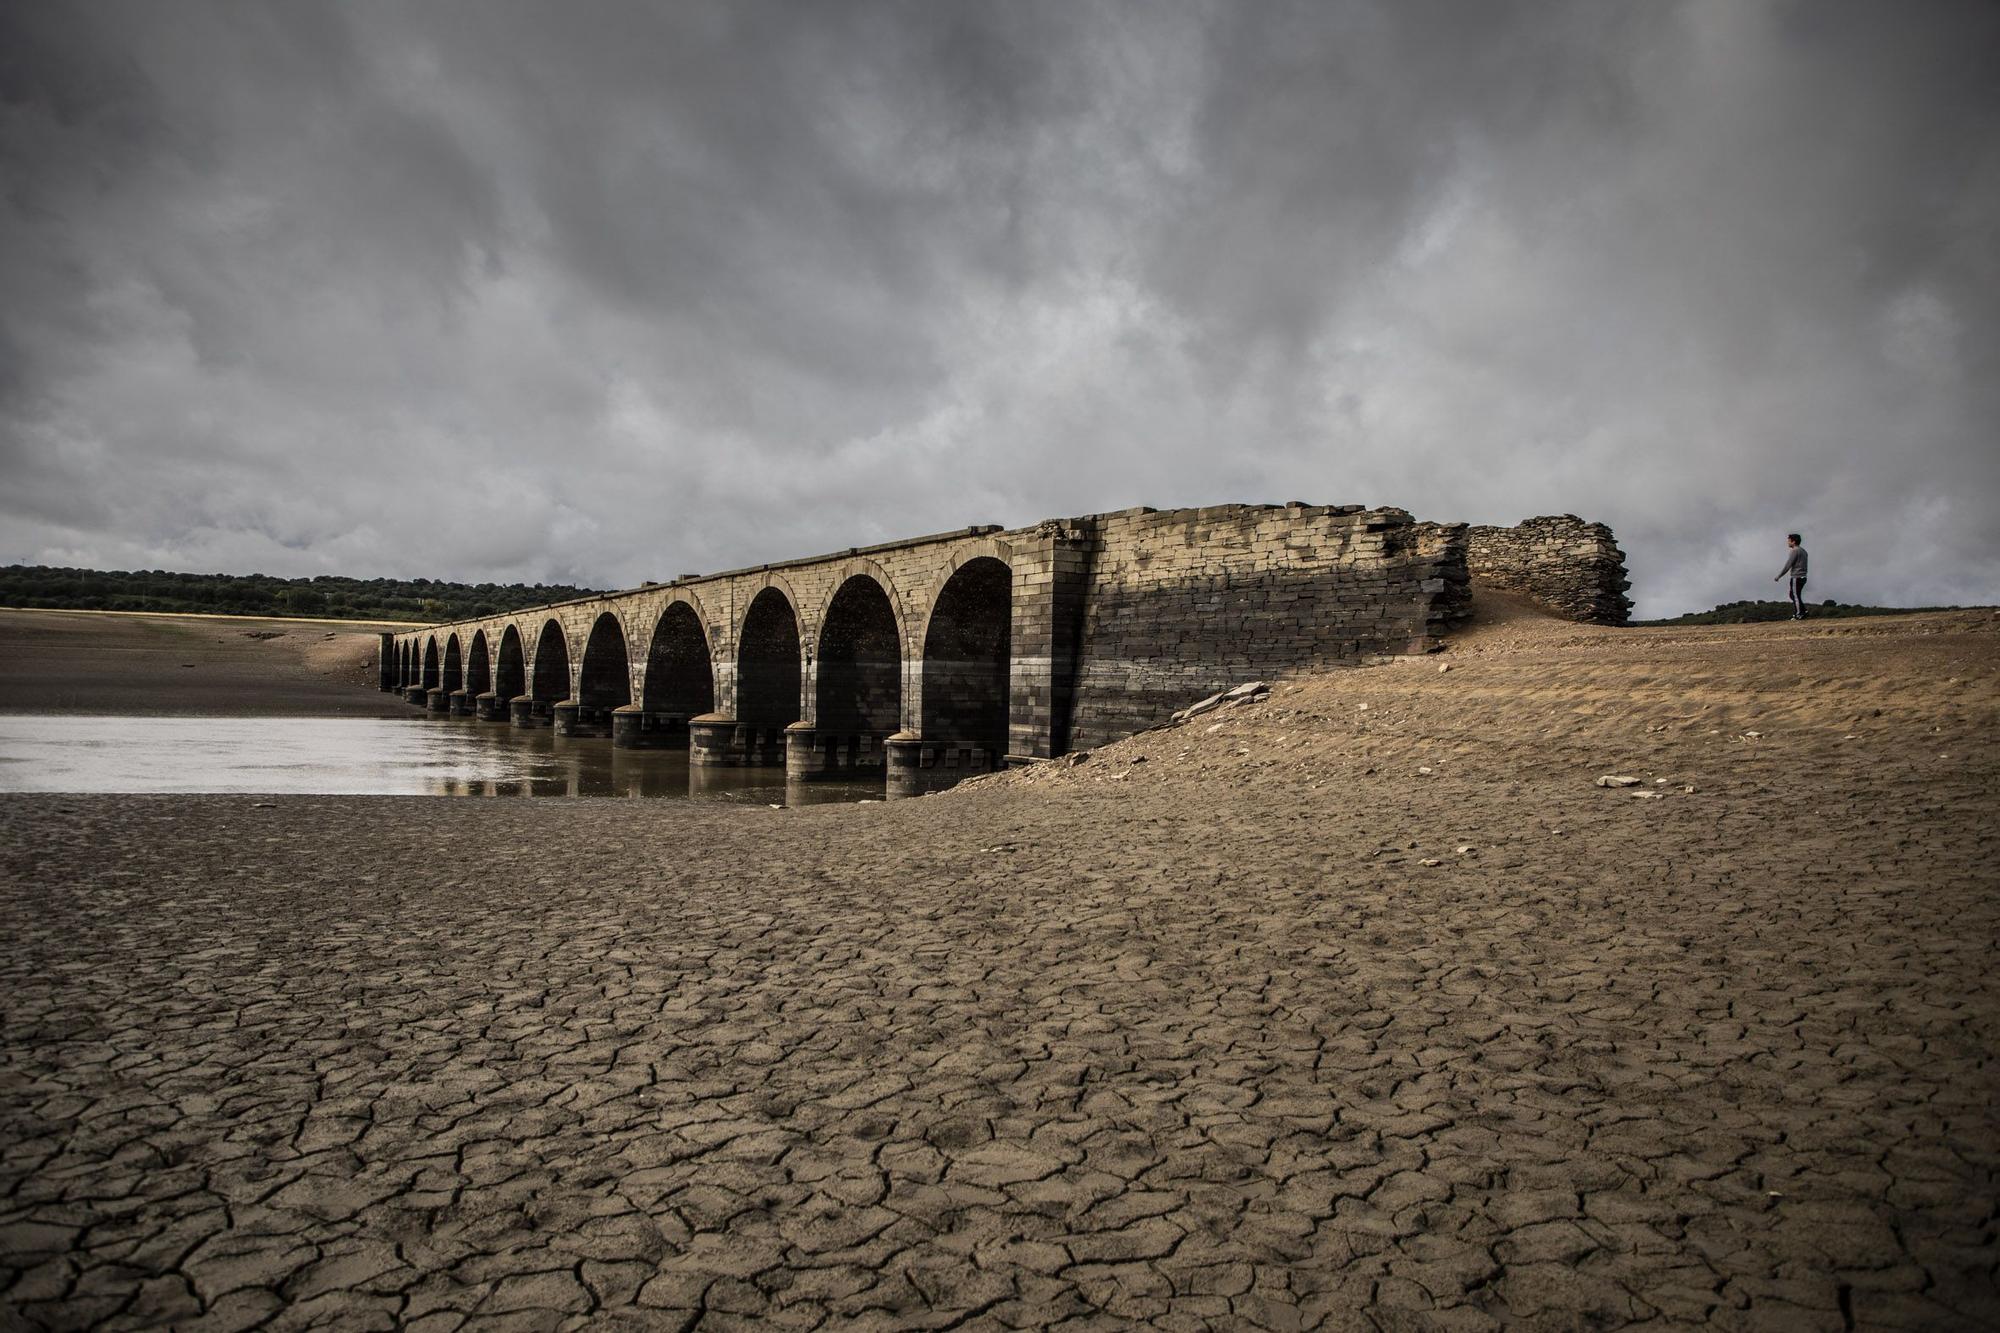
point(1743, 613)
point(326, 595)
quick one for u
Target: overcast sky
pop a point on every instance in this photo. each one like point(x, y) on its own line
point(597, 293)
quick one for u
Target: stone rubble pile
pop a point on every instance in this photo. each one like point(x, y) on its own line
point(1248, 693)
point(1573, 568)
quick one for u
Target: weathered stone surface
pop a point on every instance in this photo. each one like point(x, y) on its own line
point(1573, 568)
point(941, 656)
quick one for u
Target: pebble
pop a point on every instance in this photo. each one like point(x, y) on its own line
point(1618, 780)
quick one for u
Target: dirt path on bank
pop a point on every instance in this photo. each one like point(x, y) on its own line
point(1305, 1014)
point(214, 666)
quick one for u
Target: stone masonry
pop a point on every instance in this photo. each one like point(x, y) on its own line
point(1573, 568)
point(947, 655)
point(1180, 604)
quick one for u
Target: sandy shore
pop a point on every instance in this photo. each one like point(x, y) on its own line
point(216, 666)
point(1360, 1007)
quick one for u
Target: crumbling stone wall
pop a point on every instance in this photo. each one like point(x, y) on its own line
point(1182, 603)
point(1573, 568)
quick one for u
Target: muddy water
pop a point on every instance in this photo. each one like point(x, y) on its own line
point(419, 756)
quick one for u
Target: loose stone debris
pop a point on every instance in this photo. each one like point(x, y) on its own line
point(1250, 692)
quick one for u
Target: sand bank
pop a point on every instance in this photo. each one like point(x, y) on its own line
point(226, 666)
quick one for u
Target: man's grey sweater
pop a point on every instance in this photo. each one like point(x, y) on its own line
point(1795, 564)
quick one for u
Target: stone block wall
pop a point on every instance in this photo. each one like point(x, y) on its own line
point(1571, 567)
point(1179, 604)
point(1038, 640)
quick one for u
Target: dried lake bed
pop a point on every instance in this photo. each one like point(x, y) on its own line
point(1306, 1014)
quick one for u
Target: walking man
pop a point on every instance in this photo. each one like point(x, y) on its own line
point(1795, 570)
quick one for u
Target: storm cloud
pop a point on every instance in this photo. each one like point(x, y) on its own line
point(605, 292)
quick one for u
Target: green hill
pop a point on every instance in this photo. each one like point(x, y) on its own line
point(1743, 613)
point(48, 588)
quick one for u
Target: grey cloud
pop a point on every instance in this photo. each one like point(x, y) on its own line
point(602, 292)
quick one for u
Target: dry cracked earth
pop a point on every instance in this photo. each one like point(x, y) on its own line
point(1305, 1014)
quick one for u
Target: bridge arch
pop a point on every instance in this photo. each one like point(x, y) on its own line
point(858, 699)
point(430, 676)
point(549, 683)
point(770, 579)
point(606, 679)
point(510, 672)
point(454, 666)
point(680, 673)
point(963, 554)
point(403, 664)
point(967, 653)
point(844, 574)
point(478, 666)
point(768, 663)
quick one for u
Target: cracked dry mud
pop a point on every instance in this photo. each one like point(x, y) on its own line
point(1194, 1042)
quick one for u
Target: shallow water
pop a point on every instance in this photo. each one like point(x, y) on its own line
point(419, 756)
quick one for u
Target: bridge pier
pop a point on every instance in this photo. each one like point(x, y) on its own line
point(571, 718)
point(633, 728)
point(437, 700)
point(490, 707)
point(711, 738)
point(811, 753)
point(458, 704)
point(906, 766)
point(917, 766)
point(718, 741)
point(415, 694)
point(803, 759)
point(524, 710)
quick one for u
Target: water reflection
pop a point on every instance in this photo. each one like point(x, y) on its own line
point(420, 756)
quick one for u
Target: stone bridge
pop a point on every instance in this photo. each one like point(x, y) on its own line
point(932, 659)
